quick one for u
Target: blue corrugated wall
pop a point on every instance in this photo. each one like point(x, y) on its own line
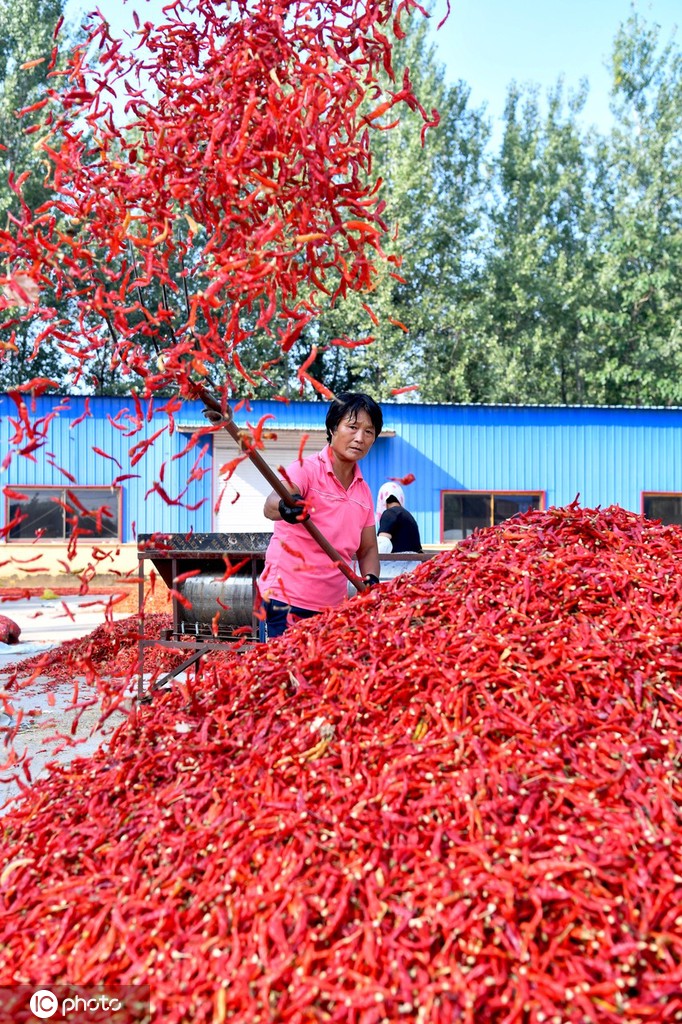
point(109, 428)
point(607, 456)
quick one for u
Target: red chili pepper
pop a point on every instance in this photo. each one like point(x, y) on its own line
point(274, 135)
point(105, 455)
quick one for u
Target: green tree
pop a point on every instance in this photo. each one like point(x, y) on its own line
point(637, 331)
point(26, 36)
point(538, 278)
point(420, 306)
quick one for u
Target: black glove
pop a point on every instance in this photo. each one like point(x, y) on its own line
point(296, 515)
point(370, 580)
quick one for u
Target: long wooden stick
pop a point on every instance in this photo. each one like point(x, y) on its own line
point(224, 416)
point(227, 422)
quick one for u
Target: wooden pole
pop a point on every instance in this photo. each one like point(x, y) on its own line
point(224, 417)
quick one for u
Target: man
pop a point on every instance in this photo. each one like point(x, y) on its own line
point(299, 579)
point(398, 527)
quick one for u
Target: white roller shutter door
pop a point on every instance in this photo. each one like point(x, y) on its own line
point(241, 505)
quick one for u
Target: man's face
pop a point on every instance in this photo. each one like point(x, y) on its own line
point(353, 437)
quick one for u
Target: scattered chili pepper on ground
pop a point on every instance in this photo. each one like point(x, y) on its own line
point(110, 648)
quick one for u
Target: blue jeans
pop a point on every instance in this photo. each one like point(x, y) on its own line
point(279, 615)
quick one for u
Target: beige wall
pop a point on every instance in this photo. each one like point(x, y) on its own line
point(22, 561)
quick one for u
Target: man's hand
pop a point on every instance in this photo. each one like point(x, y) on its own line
point(294, 515)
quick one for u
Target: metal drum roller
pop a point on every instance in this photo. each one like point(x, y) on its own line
point(195, 567)
point(208, 594)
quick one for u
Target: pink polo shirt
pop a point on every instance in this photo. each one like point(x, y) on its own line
point(297, 571)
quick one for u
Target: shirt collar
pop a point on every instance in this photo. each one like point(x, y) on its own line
point(326, 456)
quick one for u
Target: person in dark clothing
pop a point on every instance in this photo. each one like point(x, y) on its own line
point(399, 526)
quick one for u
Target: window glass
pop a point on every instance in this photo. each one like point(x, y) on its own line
point(666, 507)
point(94, 512)
point(40, 515)
point(508, 505)
point(52, 513)
point(466, 511)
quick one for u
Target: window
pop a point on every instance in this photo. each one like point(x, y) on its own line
point(666, 507)
point(466, 511)
point(60, 513)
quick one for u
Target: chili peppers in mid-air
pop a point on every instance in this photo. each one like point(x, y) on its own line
point(455, 798)
point(231, 191)
point(208, 182)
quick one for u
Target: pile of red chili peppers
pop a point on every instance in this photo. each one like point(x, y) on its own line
point(454, 798)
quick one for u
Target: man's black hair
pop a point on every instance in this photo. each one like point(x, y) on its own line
point(349, 402)
point(392, 500)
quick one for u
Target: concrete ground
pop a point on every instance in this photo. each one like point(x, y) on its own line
point(46, 704)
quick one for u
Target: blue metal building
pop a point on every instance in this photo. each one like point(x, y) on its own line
point(473, 465)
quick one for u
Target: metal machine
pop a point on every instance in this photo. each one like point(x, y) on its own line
point(212, 579)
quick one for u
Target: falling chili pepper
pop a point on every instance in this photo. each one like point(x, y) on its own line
point(106, 455)
point(261, 158)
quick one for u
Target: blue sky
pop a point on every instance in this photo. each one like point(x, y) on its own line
point(489, 43)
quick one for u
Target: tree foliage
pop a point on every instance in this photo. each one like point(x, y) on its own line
point(27, 40)
point(637, 329)
point(537, 275)
point(547, 272)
